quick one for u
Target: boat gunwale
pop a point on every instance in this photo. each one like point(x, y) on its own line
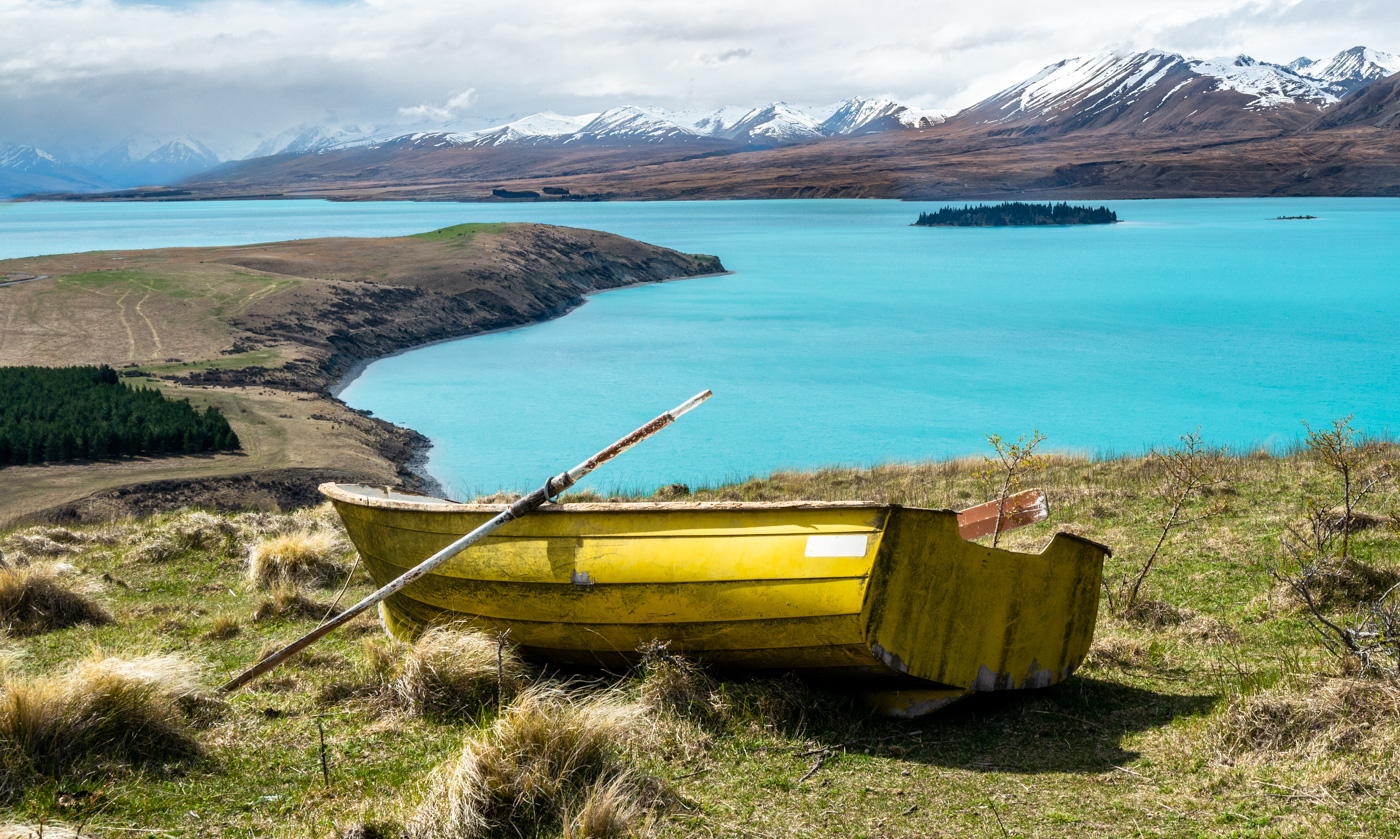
point(346, 493)
point(429, 504)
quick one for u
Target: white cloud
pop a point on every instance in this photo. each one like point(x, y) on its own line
point(86, 72)
point(462, 101)
point(424, 113)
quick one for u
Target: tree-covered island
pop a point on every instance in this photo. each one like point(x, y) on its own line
point(1015, 214)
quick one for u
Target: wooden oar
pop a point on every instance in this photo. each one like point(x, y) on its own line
point(1017, 510)
point(524, 506)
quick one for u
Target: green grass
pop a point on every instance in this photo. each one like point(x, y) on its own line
point(1137, 743)
point(706, 260)
point(461, 235)
point(271, 359)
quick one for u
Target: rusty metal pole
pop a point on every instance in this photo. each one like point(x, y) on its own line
point(524, 506)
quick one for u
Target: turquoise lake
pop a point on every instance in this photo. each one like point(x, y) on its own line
point(845, 336)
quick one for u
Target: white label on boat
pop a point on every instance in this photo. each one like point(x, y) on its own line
point(842, 545)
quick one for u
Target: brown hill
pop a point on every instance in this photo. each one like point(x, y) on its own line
point(944, 162)
point(1376, 105)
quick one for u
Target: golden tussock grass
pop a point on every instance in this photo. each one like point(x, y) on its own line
point(222, 628)
point(131, 710)
point(37, 598)
point(451, 671)
point(554, 760)
point(285, 600)
point(303, 557)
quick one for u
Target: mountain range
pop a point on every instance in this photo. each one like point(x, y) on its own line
point(1131, 102)
point(133, 162)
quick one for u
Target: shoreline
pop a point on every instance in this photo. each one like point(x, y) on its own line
point(416, 463)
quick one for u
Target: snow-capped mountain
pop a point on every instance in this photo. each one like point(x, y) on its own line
point(307, 139)
point(542, 125)
point(775, 125)
point(26, 169)
point(27, 159)
point(867, 116)
point(145, 161)
point(778, 123)
point(1155, 91)
point(631, 124)
point(1349, 69)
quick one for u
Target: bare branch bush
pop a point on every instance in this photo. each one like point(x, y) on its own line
point(1318, 568)
point(1192, 474)
point(1013, 462)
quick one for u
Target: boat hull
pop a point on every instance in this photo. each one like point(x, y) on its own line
point(870, 593)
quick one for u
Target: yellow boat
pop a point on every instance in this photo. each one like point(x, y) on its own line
point(889, 600)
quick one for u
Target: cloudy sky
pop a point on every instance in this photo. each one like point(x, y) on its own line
point(82, 74)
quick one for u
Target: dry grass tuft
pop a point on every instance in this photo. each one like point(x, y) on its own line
point(674, 685)
point(198, 530)
point(612, 808)
point(1116, 651)
point(1310, 716)
point(37, 544)
point(372, 677)
point(1349, 584)
point(1156, 614)
point(301, 557)
point(452, 672)
point(1183, 623)
point(46, 831)
point(365, 830)
point(286, 601)
point(161, 547)
point(36, 599)
point(787, 705)
point(222, 628)
point(134, 710)
point(554, 760)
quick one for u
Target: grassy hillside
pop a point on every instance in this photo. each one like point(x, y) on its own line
point(261, 331)
point(1208, 709)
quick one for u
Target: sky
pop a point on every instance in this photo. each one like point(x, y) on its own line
point(78, 76)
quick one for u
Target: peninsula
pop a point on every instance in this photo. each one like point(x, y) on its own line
point(263, 332)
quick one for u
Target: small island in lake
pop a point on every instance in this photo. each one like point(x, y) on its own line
point(1015, 214)
point(1294, 218)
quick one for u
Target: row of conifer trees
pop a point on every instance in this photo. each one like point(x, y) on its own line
point(1015, 213)
point(66, 413)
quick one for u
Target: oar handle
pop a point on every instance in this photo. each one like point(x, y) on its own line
point(521, 507)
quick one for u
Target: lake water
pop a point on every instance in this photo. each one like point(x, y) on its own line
point(844, 336)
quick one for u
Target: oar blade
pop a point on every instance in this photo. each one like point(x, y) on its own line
point(1019, 510)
